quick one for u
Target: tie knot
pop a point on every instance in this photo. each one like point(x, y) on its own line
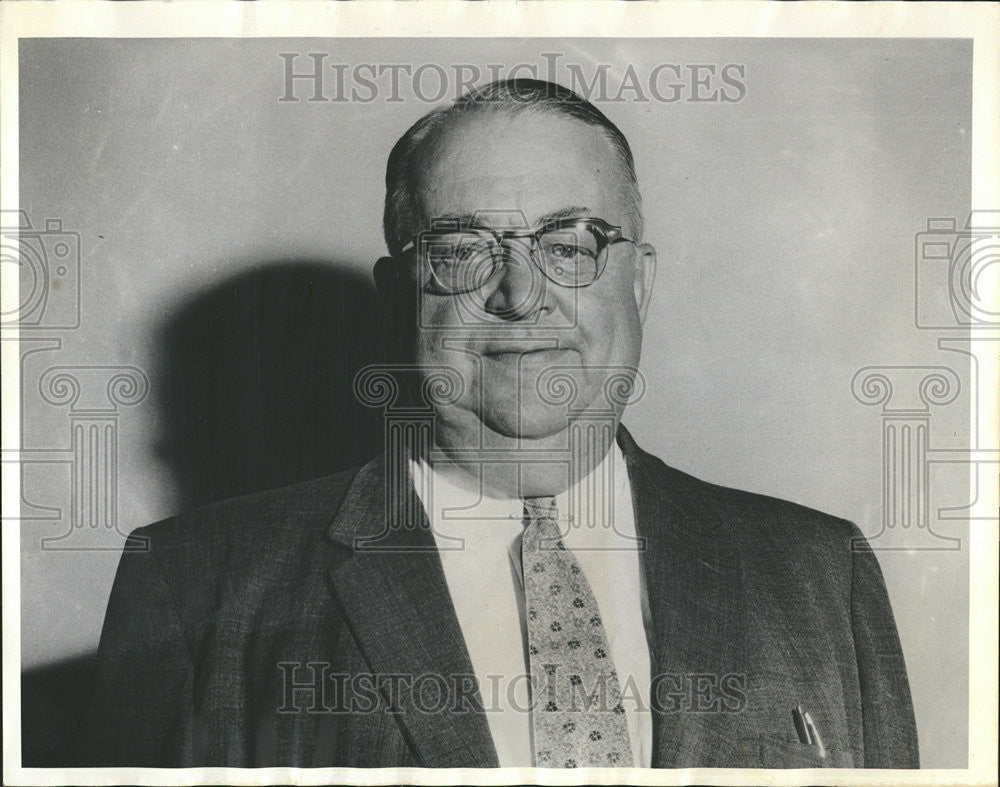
point(541, 524)
point(539, 508)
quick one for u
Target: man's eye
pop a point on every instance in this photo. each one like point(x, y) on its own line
point(566, 251)
point(471, 251)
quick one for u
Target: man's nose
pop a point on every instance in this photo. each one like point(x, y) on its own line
point(518, 287)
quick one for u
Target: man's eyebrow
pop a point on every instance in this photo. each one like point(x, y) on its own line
point(474, 219)
point(460, 219)
point(545, 218)
point(563, 213)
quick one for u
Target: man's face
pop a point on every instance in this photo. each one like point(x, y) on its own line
point(508, 338)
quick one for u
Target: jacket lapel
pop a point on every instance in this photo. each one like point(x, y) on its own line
point(387, 579)
point(692, 571)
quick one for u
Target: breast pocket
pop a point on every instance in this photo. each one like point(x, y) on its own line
point(765, 751)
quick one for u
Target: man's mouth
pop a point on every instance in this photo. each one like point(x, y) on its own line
point(514, 351)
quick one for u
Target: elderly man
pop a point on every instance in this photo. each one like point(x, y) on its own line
point(515, 582)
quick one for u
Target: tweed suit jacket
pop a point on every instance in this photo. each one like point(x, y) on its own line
point(266, 631)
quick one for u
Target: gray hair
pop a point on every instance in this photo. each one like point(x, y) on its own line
point(513, 96)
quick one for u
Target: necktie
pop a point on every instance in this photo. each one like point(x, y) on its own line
point(577, 716)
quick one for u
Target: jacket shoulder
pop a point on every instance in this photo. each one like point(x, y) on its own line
point(770, 533)
point(232, 560)
point(751, 513)
point(270, 515)
point(241, 549)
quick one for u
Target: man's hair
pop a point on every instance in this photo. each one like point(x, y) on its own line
point(513, 96)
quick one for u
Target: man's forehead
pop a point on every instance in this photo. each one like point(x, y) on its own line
point(517, 171)
point(488, 137)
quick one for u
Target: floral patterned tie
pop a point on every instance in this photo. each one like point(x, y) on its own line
point(577, 715)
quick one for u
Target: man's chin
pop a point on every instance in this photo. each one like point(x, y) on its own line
point(525, 424)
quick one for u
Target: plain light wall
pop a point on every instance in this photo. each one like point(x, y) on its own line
point(784, 222)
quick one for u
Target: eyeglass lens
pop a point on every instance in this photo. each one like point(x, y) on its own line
point(465, 260)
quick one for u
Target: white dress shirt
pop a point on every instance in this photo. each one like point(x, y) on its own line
point(479, 540)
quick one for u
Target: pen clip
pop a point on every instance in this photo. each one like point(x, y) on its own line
point(814, 735)
point(807, 731)
point(798, 717)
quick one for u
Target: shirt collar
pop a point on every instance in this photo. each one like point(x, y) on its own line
point(456, 502)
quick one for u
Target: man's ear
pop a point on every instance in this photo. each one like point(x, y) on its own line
point(386, 272)
point(645, 273)
point(396, 318)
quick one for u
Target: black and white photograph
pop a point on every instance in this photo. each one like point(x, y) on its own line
point(498, 393)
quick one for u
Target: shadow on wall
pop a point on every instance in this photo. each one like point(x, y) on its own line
point(255, 387)
point(256, 381)
point(55, 701)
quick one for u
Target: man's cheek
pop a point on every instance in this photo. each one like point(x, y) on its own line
point(597, 332)
point(433, 335)
point(451, 375)
point(436, 312)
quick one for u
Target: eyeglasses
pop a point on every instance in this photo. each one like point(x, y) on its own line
point(569, 252)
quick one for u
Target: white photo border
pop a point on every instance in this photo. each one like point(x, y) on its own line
point(568, 18)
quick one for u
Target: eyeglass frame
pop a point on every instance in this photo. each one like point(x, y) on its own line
point(607, 233)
